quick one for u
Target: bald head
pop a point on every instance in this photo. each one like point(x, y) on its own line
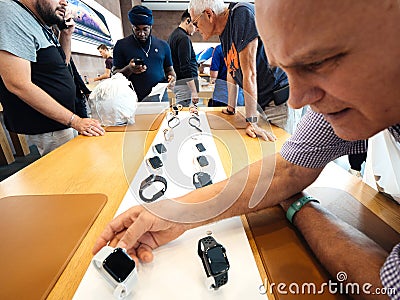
point(340, 57)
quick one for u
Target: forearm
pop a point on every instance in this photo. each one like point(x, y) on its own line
point(260, 186)
point(42, 102)
point(105, 75)
point(192, 86)
point(232, 90)
point(339, 246)
point(213, 76)
point(65, 42)
point(126, 71)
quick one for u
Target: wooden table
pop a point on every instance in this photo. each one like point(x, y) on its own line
point(97, 165)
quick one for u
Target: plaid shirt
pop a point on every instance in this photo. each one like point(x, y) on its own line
point(390, 274)
point(313, 145)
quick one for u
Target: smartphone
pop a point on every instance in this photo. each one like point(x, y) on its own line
point(200, 147)
point(138, 61)
point(160, 148)
point(202, 160)
point(155, 162)
point(63, 24)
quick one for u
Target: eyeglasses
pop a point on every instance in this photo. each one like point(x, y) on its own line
point(197, 19)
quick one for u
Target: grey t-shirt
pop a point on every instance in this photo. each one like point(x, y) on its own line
point(21, 34)
point(24, 37)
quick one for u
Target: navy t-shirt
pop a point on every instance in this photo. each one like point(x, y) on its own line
point(239, 31)
point(158, 60)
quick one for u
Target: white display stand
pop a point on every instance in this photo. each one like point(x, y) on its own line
point(177, 271)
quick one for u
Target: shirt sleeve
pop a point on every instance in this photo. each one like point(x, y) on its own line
point(109, 63)
point(314, 143)
point(390, 273)
point(118, 56)
point(244, 26)
point(18, 37)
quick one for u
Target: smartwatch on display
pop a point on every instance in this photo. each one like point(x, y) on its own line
point(200, 147)
point(202, 160)
point(118, 268)
point(194, 121)
point(176, 109)
point(168, 134)
point(148, 182)
point(172, 120)
point(201, 179)
point(252, 119)
point(214, 259)
point(154, 162)
point(159, 149)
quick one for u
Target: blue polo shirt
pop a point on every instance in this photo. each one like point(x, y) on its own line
point(158, 60)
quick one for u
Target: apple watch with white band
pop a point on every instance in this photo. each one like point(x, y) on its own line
point(118, 268)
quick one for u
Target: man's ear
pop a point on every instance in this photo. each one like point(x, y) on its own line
point(188, 21)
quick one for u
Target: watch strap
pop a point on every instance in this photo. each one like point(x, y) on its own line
point(149, 181)
point(297, 205)
point(102, 255)
point(205, 243)
point(220, 280)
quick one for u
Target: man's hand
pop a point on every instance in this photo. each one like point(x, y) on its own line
point(253, 130)
point(171, 81)
point(69, 21)
point(195, 98)
point(87, 126)
point(139, 232)
point(137, 69)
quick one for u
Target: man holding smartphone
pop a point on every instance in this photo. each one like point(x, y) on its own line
point(144, 59)
point(37, 89)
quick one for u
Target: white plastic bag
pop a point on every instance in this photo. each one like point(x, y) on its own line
point(113, 101)
point(383, 164)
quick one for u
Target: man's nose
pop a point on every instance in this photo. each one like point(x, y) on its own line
point(303, 91)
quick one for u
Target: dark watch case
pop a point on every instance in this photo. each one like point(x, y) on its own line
point(119, 265)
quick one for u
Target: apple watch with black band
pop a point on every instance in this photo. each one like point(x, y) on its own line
point(118, 268)
point(214, 259)
point(148, 182)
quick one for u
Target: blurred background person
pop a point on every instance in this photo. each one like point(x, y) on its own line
point(218, 77)
point(106, 54)
point(184, 59)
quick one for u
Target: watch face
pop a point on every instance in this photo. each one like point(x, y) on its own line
point(200, 147)
point(202, 160)
point(160, 148)
point(155, 162)
point(119, 265)
point(217, 260)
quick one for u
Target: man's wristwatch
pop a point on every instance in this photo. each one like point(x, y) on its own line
point(118, 268)
point(148, 182)
point(252, 119)
point(214, 259)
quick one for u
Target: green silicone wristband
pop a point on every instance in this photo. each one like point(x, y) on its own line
point(297, 205)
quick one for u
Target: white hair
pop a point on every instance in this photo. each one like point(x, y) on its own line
point(198, 6)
